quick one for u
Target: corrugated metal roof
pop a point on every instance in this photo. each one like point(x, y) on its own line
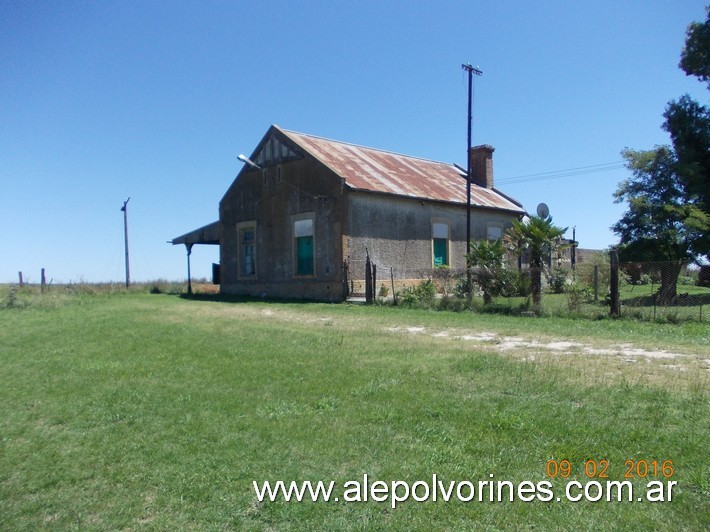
point(374, 170)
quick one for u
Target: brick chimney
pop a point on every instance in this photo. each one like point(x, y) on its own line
point(482, 165)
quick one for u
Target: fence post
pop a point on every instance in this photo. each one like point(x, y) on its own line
point(21, 281)
point(374, 281)
point(345, 279)
point(43, 282)
point(368, 280)
point(614, 284)
point(394, 295)
point(596, 283)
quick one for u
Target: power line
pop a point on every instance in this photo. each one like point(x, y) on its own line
point(581, 170)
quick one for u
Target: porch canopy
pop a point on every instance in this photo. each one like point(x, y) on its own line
point(207, 234)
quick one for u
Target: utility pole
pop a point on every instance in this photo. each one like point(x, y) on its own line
point(574, 247)
point(124, 209)
point(471, 71)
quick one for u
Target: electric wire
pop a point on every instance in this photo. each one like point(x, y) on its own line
point(569, 172)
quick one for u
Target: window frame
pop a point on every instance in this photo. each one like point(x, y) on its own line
point(440, 222)
point(494, 225)
point(242, 227)
point(294, 244)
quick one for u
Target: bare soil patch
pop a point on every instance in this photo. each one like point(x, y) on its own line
point(531, 348)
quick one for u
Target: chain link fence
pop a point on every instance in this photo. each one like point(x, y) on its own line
point(663, 291)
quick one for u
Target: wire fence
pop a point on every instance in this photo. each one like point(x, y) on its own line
point(663, 291)
point(656, 291)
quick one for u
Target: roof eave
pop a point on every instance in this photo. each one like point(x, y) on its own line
point(207, 234)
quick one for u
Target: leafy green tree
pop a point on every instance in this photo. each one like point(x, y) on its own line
point(668, 195)
point(688, 123)
point(487, 262)
point(653, 228)
point(540, 239)
point(695, 57)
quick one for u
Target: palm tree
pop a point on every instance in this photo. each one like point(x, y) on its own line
point(539, 238)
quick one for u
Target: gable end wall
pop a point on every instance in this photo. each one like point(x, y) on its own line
point(273, 201)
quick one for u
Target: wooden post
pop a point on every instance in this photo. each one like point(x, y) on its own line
point(596, 283)
point(368, 279)
point(21, 281)
point(394, 295)
point(43, 282)
point(374, 282)
point(614, 284)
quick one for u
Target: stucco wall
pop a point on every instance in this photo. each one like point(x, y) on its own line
point(397, 233)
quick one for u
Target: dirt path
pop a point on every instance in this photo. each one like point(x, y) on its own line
point(531, 347)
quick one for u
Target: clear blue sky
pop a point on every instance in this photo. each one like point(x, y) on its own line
point(103, 100)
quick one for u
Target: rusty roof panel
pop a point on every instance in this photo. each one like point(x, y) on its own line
point(374, 170)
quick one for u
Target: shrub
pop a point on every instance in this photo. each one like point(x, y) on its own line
point(11, 301)
point(687, 280)
point(421, 296)
point(461, 288)
point(446, 278)
point(578, 294)
point(384, 291)
point(585, 271)
point(487, 262)
point(557, 279)
point(451, 303)
point(645, 280)
point(516, 283)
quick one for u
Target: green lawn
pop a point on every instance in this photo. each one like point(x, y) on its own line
point(637, 302)
point(131, 411)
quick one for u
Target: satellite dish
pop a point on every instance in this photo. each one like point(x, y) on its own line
point(543, 211)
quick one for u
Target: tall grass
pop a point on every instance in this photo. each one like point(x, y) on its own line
point(52, 295)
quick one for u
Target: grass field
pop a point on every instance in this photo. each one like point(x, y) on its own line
point(141, 411)
point(637, 302)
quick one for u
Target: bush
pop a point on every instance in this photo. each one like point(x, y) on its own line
point(452, 304)
point(645, 279)
point(420, 296)
point(384, 291)
point(446, 278)
point(11, 301)
point(516, 283)
point(557, 279)
point(585, 272)
point(461, 288)
point(577, 295)
point(687, 280)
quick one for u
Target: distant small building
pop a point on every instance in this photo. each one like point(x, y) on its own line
point(301, 221)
